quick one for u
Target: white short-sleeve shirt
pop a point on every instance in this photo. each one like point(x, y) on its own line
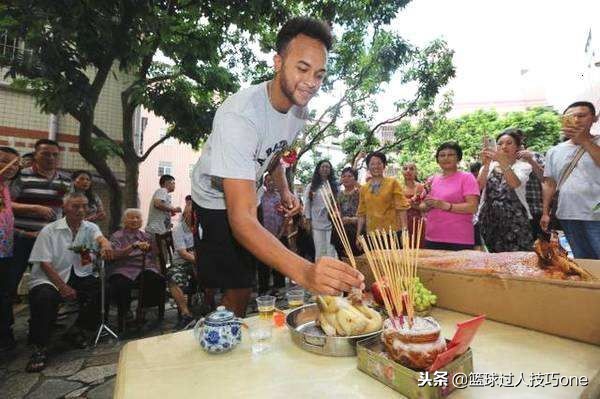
point(159, 222)
point(580, 194)
point(248, 136)
point(52, 246)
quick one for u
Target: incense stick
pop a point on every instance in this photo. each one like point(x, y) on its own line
point(393, 261)
point(334, 214)
point(8, 165)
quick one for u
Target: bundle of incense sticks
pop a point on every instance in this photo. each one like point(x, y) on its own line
point(394, 267)
point(336, 219)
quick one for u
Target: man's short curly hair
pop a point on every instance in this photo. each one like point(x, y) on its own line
point(310, 27)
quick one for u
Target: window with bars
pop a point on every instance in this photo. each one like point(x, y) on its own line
point(165, 168)
point(10, 48)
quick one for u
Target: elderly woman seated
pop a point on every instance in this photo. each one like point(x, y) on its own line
point(134, 261)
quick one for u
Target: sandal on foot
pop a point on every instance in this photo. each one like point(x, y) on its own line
point(37, 362)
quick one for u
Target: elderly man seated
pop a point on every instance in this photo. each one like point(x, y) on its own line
point(131, 248)
point(63, 270)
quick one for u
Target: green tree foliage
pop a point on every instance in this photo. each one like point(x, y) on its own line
point(541, 126)
point(75, 45)
point(366, 66)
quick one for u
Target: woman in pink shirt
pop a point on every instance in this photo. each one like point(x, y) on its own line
point(9, 166)
point(451, 202)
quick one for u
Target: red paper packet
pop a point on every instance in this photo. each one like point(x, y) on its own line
point(459, 344)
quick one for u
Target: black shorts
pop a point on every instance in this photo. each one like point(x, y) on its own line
point(448, 246)
point(220, 260)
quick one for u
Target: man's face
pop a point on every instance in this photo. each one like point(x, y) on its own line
point(46, 157)
point(5, 159)
point(301, 68)
point(133, 221)
point(170, 185)
point(583, 116)
point(26, 161)
point(76, 209)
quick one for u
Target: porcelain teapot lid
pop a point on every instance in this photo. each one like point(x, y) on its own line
point(221, 315)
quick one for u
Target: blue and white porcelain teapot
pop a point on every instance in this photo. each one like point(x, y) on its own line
point(219, 332)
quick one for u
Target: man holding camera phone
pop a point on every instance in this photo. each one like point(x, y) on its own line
point(579, 193)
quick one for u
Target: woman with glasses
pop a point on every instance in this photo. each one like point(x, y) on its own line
point(450, 203)
point(504, 214)
point(413, 191)
point(382, 204)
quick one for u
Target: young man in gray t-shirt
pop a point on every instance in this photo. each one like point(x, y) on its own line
point(250, 131)
point(160, 209)
point(579, 197)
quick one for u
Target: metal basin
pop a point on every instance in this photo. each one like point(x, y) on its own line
point(305, 333)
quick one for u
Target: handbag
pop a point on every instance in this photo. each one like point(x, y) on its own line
point(554, 223)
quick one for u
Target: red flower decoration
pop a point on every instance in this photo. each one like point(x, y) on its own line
point(289, 157)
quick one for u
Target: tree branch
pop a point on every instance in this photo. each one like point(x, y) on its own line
point(161, 78)
point(397, 117)
point(386, 122)
point(316, 137)
point(95, 129)
point(152, 147)
point(101, 134)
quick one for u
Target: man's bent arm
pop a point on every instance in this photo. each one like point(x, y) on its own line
point(279, 178)
point(327, 276)
point(548, 190)
point(240, 199)
point(52, 275)
point(593, 149)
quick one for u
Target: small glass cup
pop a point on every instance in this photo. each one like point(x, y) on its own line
point(295, 298)
point(261, 334)
point(266, 307)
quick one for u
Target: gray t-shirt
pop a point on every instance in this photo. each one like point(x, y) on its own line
point(159, 222)
point(183, 238)
point(248, 136)
point(580, 193)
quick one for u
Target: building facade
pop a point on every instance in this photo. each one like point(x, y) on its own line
point(171, 158)
point(22, 122)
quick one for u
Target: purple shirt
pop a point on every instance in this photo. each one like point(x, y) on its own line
point(131, 265)
point(272, 220)
point(7, 222)
point(451, 227)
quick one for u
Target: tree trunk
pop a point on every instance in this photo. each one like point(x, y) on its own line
point(87, 152)
point(132, 174)
point(132, 164)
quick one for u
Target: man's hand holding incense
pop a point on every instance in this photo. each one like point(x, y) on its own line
point(331, 277)
point(290, 203)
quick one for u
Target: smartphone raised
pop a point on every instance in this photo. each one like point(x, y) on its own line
point(489, 143)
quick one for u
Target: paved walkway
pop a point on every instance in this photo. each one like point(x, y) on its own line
point(71, 373)
point(74, 373)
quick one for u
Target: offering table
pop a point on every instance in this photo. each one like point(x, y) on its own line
point(174, 366)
